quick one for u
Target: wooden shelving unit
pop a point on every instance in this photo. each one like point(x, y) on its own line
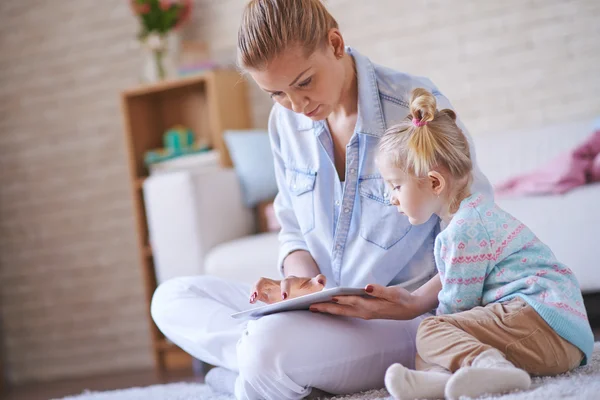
point(208, 104)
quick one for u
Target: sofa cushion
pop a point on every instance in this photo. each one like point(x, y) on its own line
point(503, 155)
point(251, 154)
point(567, 223)
point(246, 259)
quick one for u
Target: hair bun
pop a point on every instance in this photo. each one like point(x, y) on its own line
point(422, 105)
point(450, 113)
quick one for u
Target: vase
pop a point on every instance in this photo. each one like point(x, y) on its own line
point(161, 54)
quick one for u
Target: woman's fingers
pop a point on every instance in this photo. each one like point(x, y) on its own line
point(262, 290)
point(286, 285)
point(320, 280)
point(253, 296)
point(337, 309)
point(267, 297)
point(355, 301)
point(383, 292)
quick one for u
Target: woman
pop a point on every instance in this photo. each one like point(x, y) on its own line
point(338, 229)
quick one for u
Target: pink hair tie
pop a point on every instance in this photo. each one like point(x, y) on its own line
point(419, 122)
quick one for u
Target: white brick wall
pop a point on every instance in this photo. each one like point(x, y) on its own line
point(70, 285)
point(503, 64)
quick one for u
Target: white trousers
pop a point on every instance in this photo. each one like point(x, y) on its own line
point(281, 356)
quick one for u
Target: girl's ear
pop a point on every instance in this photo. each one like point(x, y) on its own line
point(437, 182)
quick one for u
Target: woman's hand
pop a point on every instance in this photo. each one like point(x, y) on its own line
point(271, 291)
point(386, 303)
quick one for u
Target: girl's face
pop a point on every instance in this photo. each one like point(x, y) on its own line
point(311, 86)
point(416, 198)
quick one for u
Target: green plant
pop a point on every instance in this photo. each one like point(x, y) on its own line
point(157, 19)
point(160, 16)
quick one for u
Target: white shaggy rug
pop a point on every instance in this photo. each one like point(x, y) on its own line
point(581, 384)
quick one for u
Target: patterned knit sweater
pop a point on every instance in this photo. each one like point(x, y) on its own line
point(485, 255)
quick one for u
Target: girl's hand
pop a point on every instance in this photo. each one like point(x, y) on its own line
point(386, 303)
point(271, 291)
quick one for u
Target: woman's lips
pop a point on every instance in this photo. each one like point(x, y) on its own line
point(313, 112)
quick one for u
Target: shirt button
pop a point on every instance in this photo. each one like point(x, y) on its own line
point(352, 170)
point(337, 203)
point(346, 210)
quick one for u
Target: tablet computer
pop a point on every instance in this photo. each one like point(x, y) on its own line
point(299, 303)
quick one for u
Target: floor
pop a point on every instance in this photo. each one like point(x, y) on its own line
point(45, 391)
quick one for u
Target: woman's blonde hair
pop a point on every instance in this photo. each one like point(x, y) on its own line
point(270, 26)
point(428, 139)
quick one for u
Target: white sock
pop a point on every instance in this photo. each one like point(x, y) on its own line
point(405, 384)
point(490, 373)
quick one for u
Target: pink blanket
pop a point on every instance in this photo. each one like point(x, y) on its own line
point(567, 171)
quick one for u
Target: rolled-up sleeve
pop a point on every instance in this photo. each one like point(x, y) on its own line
point(290, 237)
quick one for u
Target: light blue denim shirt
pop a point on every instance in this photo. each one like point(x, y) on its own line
point(349, 227)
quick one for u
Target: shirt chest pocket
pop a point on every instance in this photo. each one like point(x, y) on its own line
point(301, 185)
point(380, 222)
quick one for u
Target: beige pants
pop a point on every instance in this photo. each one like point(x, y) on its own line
point(514, 328)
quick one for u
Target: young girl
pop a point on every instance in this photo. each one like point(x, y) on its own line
point(507, 308)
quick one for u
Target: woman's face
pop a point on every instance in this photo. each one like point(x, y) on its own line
point(311, 86)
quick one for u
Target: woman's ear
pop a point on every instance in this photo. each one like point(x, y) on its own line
point(336, 42)
point(437, 182)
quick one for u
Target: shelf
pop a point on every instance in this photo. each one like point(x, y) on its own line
point(172, 356)
point(169, 84)
point(165, 346)
point(208, 104)
point(139, 183)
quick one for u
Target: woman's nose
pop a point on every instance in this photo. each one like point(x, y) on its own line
point(298, 104)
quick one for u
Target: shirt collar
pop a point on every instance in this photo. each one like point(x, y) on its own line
point(370, 115)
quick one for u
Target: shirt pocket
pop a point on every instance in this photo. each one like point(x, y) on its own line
point(380, 222)
point(301, 185)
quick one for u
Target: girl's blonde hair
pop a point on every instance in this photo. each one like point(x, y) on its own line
point(270, 26)
point(428, 139)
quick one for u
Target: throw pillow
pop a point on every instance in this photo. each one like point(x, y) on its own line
point(250, 151)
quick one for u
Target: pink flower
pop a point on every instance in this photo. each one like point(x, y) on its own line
point(184, 12)
point(140, 9)
point(165, 4)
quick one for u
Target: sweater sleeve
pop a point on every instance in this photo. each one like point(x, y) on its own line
point(467, 256)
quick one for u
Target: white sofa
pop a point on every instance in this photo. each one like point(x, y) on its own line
point(198, 225)
point(568, 224)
